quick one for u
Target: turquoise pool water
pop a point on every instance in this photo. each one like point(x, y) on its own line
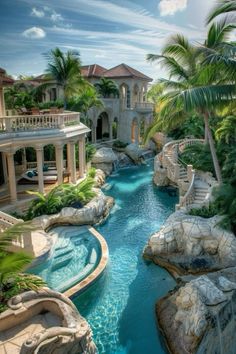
point(75, 255)
point(120, 305)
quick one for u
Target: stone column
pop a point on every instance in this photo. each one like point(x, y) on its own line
point(24, 161)
point(11, 176)
point(94, 133)
point(68, 153)
point(73, 163)
point(2, 103)
point(4, 165)
point(82, 158)
point(39, 155)
point(110, 130)
point(59, 162)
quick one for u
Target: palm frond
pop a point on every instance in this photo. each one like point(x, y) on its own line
point(222, 7)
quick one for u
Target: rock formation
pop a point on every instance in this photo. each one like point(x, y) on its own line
point(160, 173)
point(99, 178)
point(191, 244)
point(134, 152)
point(104, 159)
point(92, 213)
point(199, 317)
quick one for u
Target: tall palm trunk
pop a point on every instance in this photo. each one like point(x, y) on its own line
point(212, 148)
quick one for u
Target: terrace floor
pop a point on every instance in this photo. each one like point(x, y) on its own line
point(12, 339)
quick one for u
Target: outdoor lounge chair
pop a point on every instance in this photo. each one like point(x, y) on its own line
point(30, 177)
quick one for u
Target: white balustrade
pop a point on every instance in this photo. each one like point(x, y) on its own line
point(20, 241)
point(38, 122)
point(144, 106)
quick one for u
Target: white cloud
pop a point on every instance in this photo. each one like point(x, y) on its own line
point(56, 17)
point(37, 13)
point(170, 7)
point(34, 33)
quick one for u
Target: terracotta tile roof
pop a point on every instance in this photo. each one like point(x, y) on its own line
point(4, 79)
point(124, 70)
point(94, 70)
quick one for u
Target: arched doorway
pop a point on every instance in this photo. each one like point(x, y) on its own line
point(103, 126)
point(135, 131)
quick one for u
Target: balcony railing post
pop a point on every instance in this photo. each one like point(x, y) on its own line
point(8, 124)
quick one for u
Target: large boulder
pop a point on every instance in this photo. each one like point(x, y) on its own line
point(104, 159)
point(198, 317)
point(134, 152)
point(124, 160)
point(191, 244)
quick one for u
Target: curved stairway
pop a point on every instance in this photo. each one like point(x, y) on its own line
point(198, 185)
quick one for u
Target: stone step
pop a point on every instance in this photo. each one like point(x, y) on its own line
point(61, 262)
point(62, 252)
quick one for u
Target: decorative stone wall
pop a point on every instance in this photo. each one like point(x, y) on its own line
point(44, 322)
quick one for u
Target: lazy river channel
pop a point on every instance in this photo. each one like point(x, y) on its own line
point(120, 306)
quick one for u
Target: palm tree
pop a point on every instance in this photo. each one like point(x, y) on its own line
point(222, 7)
point(85, 101)
point(107, 88)
point(198, 86)
point(65, 69)
point(226, 131)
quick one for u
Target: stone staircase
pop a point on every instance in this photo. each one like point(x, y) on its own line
point(197, 185)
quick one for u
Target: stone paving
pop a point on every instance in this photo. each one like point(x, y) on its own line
point(12, 339)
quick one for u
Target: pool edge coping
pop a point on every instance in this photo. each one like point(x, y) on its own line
point(97, 272)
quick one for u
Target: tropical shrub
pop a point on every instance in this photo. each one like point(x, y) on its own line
point(205, 212)
point(92, 172)
point(12, 281)
point(90, 151)
point(49, 104)
point(225, 201)
point(81, 192)
point(50, 203)
point(199, 156)
point(60, 197)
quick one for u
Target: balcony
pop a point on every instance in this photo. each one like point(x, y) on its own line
point(144, 107)
point(27, 123)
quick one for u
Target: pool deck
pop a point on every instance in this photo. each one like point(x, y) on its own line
point(91, 278)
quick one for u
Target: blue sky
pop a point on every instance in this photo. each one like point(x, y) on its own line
point(106, 32)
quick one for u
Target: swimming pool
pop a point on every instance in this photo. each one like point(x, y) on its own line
point(120, 306)
point(75, 254)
